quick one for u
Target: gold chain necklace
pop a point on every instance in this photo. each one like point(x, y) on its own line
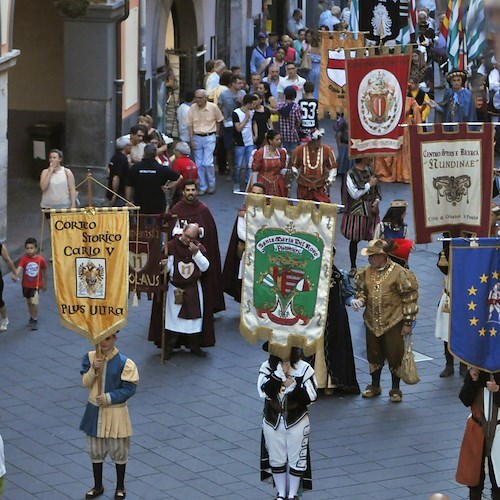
point(378, 277)
point(319, 159)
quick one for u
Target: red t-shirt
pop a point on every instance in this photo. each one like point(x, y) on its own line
point(187, 168)
point(32, 277)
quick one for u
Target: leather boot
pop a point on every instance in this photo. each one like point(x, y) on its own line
point(448, 369)
point(195, 344)
point(170, 342)
point(463, 369)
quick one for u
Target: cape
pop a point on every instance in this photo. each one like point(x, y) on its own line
point(211, 281)
point(232, 285)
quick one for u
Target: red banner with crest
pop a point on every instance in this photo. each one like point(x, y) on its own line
point(377, 93)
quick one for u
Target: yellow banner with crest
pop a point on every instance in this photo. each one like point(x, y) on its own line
point(90, 260)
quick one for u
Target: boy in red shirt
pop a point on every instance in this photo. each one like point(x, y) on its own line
point(34, 268)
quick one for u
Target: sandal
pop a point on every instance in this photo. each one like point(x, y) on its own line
point(94, 492)
point(371, 391)
point(119, 494)
point(396, 396)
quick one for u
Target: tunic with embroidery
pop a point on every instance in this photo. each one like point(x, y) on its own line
point(390, 295)
point(119, 383)
point(315, 168)
point(268, 165)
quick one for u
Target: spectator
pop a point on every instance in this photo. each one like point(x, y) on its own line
point(273, 44)
point(137, 141)
point(182, 113)
point(258, 53)
point(220, 148)
point(57, 183)
point(118, 170)
point(209, 68)
point(300, 44)
point(290, 119)
point(291, 53)
point(4, 322)
point(277, 60)
point(274, 79)
point(295, 24)
point(203, 119)
point(314, 51)
point(147, 182)
point(256, 78)
point(261, 120)
point(229, 100)
point(184, 166)
point(154, 137)
point(309, 108)
point(243, 139)
point(214, 77)
point(292, 79)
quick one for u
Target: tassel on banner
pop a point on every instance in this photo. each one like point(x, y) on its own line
point(443, 261)
point(135, 300)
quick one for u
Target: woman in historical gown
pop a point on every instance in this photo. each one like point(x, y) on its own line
point(334, 358)
point(268, 164)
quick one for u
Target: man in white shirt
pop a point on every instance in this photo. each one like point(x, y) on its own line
point(182, 114)
point(214, 77)
point(291, 79)
point(274, 79)
point(243, 139)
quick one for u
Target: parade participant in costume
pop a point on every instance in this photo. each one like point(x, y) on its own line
point(288, 387)
point(482, 434)
point(393, 227)
point(185, 299)
point(442, 328)
point(192, 209)
point(385, 282)
point(316, 168)
point(334, 358)
point(397, 167)
point(106, 420)
point(361, 199)
point(458, 102)
point(232, 273)
point(420, 96)
point(269, 164)
point(341, 129)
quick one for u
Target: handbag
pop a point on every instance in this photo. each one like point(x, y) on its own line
point(306, 62)
point(408, 369)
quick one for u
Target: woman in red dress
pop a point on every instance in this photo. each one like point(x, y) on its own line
point(269, 164)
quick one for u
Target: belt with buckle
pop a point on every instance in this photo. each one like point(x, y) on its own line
point(205, 135)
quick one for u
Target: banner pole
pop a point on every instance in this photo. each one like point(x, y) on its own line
point(89, 186)
point(164, 307)
point(98, 354)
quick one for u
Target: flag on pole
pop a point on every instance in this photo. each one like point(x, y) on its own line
point(455, 36)
point(445, 26)
point(408, 14)
point(354, 19)
point(475, 28)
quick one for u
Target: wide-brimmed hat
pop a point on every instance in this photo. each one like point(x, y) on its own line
point(375, 247)
point(457, 72)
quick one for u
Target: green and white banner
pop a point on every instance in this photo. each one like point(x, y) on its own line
point(286, 279)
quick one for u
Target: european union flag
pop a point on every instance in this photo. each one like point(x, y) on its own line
point(475, 302)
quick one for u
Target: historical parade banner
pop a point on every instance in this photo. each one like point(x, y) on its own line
point(475, 302)
point(145, 253)
point(377, 93)
point(286, 280)
point(452, 175)
point(333, 88)
point(382, 20)
point(90, 254)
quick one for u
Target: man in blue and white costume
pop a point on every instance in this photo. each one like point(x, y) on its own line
point(106, 420)
point(458, 102)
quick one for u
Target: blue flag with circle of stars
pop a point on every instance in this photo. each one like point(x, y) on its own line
point(475, 302)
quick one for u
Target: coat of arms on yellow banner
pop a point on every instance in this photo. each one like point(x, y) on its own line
point(90, 257)
point(286, 278)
